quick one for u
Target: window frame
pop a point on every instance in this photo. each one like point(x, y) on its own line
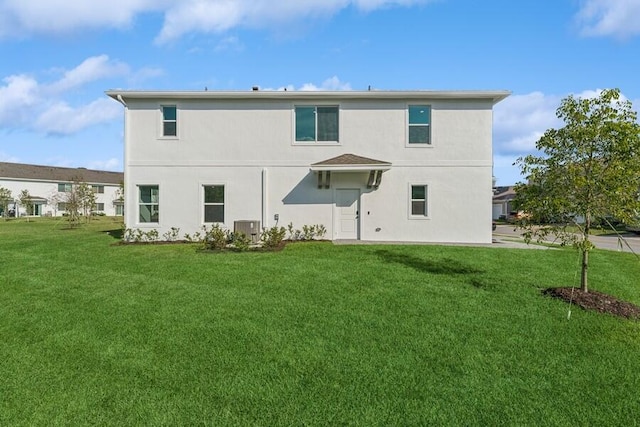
point(411, 200)
point(140, 203)
point(97, 189)
point(176, 121)
point(409, 125)
point(315, 141)
point(204, 203)
point(68, 187)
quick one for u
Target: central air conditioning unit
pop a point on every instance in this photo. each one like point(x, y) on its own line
point(250, 228)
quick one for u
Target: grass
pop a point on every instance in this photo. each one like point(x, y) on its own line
point(317, 334)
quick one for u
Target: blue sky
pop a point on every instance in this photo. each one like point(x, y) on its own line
point(59, 56)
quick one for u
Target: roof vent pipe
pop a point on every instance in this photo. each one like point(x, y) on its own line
point(255, 88)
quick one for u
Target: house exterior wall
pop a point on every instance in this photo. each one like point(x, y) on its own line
point(45, 193)
point(248, 145)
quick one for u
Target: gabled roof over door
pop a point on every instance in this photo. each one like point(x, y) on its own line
point(350, 163)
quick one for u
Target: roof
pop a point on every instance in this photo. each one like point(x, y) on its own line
point(494, 96)
point(504, 193)
point(350, 162)
point(53, 173)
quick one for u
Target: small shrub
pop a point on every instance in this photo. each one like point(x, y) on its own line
point(308, 232)
point(272, 237)
point(171, 235)
point(321, 231)
point(139, 236)
point(240, 242)
point(215, 238)
point(151, 235)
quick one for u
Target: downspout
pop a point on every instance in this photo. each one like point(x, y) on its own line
point(264, 197)
point(125, 161)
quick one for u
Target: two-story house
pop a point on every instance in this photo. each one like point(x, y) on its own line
point(48, 187)
point(371, 165)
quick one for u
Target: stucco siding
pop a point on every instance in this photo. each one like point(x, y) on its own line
point(248, 146)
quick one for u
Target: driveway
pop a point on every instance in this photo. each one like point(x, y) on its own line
point(610, 242)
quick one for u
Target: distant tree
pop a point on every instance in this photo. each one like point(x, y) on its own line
point(5, 199)
point(119, 195)
point(80, 201)
point(72, 203)
point(26, 201)
point(86, 197)
point(54, 198)
point(588, 170)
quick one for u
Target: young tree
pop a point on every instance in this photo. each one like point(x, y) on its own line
point(53, 200)
point(588, 170)
point(5, 199)
point(86, 197)
point(27, 202)
point(72, 203)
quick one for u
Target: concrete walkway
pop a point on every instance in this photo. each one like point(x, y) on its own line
point(626, 242)
point(506, 236)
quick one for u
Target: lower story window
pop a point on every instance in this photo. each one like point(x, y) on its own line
point(214, 203)
point(149, 203)
point(99, 207)
point(419, 200)
point(119, 210)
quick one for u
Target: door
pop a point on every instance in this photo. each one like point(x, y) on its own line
point(346, 213)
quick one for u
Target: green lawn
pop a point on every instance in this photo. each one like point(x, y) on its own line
point(99, 334)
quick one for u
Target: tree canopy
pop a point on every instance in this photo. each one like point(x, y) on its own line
point(586, 171)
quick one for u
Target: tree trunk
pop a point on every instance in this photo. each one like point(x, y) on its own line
point(586, 247)
point(585, 269)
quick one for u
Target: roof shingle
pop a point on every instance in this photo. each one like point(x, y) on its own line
point(54, 173)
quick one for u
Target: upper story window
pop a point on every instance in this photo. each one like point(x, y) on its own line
point(317, 123)
point(419, 124)
point(169, 120)
point(65, 187)
point(99, 189)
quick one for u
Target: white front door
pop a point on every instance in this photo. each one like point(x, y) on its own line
point(346, 213)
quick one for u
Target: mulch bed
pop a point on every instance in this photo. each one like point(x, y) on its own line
point(594, 300)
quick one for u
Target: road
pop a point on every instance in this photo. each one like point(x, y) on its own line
point(610, 242)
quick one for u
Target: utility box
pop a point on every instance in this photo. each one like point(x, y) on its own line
point(250, 228)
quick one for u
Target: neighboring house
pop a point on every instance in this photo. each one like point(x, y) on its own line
point(48, 185)
point(372, 165)
point(503, 202)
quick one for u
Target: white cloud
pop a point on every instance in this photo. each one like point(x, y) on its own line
point(91, 69)
point(25, 17)
point(17, 96)
point(229, 43)
point(112, 164)
point(617, 18)
point(332, 83)
point(145, 73)
point(4, 157)
point(216, 16)
point(518, 123)
point(26, 103)
point(60, 118)
point(520, 120)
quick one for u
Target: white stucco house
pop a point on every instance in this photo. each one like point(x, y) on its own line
point(47, 186)
point(368, 165)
